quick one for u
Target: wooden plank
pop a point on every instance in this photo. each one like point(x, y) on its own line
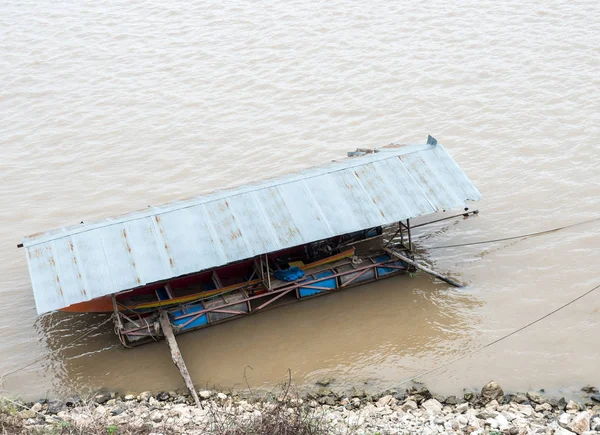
point(165, 324)
point(423, 268)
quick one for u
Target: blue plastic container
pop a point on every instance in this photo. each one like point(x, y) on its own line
point(196, 308)
point(382, 271)
point(329, 283)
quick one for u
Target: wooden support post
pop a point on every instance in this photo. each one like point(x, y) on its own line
point(165, 325)
point(409, 236)
point(423, 268)
point(401, 233)
point(260, 268)
point(116, 313)
point(268, 272)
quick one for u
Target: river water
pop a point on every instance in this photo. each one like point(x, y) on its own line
point(108, 107)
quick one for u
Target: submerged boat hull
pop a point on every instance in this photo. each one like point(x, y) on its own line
point(98, 305)
point(326, 278)
point(104, 304)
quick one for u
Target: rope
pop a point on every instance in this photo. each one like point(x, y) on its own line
point(514, 237)
point(504, 337)
point(56, 350)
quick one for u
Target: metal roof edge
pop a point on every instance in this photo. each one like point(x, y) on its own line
point(303, 174)
point(437, 144)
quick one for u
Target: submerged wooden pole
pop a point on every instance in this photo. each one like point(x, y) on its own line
point(423, 268)
point(165, 324)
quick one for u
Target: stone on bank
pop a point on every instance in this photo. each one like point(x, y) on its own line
point(415, 411)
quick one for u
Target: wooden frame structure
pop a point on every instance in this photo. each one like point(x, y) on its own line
point(393, 257)
point(136, 328)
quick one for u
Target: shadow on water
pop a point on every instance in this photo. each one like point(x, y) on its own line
point(380, 333)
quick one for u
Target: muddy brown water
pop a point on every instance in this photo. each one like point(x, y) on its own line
point(109, 107)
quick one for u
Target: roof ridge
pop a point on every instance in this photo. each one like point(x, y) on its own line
point(67, 231)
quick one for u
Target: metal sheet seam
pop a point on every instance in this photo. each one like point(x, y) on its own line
point(213, 233)
point(364, 191)
point(161, 243)
point(433, 207)
point(318, 208)
point(264, 216)
point(215, 196)
point(81, 273)
point(56, 267)
point(386, 176)
point(458, 167)
point(114, 284)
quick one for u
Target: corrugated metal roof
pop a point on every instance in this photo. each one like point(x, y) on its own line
point(82, 262)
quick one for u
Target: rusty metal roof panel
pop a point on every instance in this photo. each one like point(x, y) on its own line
point(90, 260)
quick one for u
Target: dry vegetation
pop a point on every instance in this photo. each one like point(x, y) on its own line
point(281, 419)
point(283, 414)
point(12, 424)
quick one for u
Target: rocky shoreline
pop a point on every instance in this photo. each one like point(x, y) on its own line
point(415, 410)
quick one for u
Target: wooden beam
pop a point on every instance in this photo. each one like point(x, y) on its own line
point(116, 312)
point(165, 324)
point(423, 268)
point(268, 272)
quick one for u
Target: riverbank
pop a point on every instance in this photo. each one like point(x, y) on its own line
point(323, 411)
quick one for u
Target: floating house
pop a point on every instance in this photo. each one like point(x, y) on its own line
point(236, 252)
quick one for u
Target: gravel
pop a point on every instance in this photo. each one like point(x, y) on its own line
point(416, 410)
